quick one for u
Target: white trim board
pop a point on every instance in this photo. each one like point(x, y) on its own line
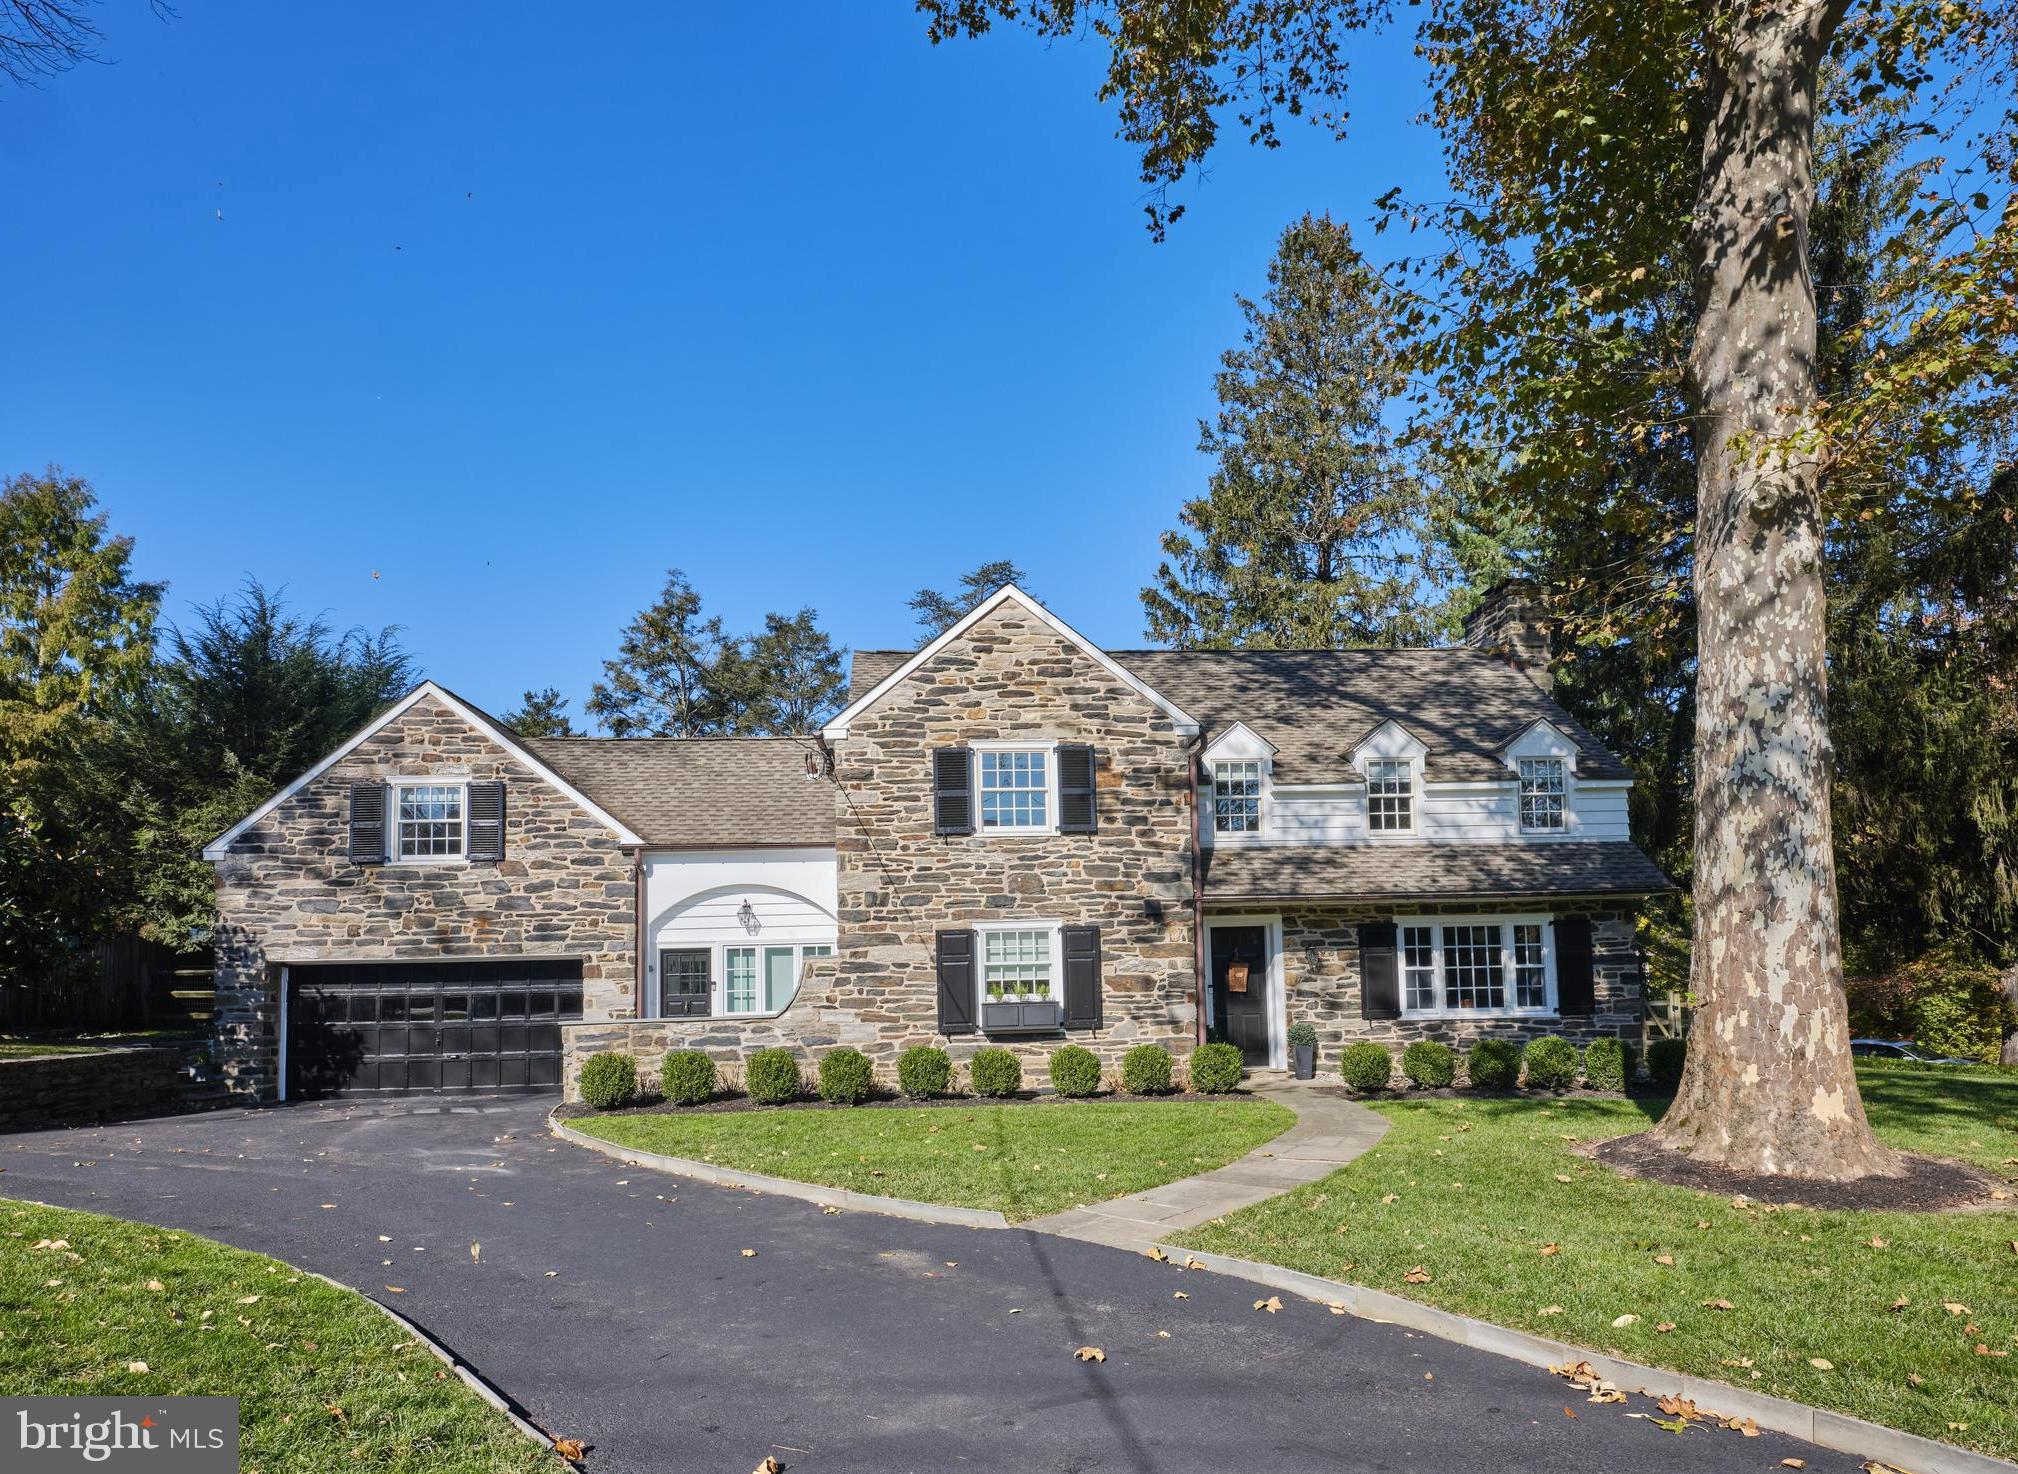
point(1182, 720)
point(219, 848)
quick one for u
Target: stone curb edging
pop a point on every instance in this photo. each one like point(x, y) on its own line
point(468, 1375)
point(785, 1187)
point(1831, 1430)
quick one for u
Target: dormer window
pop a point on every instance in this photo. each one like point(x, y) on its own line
point(1542, 788)
point(1236, 798)
point(1390, 794)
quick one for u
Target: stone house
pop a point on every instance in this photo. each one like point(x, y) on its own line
point(1009, 836)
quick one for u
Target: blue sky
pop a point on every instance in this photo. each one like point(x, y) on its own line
point(477, 328)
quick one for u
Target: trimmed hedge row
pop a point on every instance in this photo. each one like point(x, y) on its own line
point(1547, 1063)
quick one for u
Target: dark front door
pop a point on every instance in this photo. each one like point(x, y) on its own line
point(684, 984)
point(1240, 1014)
point(403, 1028)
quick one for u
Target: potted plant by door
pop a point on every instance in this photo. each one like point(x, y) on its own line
point(1303, 1050)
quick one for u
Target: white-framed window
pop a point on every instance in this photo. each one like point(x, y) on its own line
point(1017, 788)
point(1544, 783)
point(1019, 962)
point(1468, 966)
point(1236, 798)
point(1390, 795)
point(430, 821)
point(764, 977)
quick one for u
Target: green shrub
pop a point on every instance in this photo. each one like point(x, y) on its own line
point(995, 1072)
point(1664, 1062)
point(1493, 1064)
point(1145, 1070)
point(609, 1081)
point(846, 1076)
point(772, 1077)
point(1075, 1071)
point(923, 1071)
point(1552, 1063)
point(1215, 1068)
point(1428, 1064)
point(1366, 1066)
point(1302, 1035)
point(686, 1077)
point(1946, 1002)
point(1608, 1064)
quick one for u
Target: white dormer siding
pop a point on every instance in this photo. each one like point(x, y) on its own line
point(1237, 799)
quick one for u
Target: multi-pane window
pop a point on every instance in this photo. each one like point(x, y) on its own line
point(1541, 792)
point(1014, 790)
point(1474, 965)
point(1390, 794)
point(1016, 966)
point(430, 821)
point(1236, 798)
point(764, 979)
point(1418, 967)
point(739, 988)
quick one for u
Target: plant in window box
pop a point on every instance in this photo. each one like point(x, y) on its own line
point(1303, 1046)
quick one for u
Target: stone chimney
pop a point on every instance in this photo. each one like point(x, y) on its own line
point(1508, 623)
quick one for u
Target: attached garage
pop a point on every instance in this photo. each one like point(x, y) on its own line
point(419, 1028)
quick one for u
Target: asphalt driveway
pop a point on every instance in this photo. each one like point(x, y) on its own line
point(617, 1306)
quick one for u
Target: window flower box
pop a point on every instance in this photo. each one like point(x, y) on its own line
point(1011, 1016)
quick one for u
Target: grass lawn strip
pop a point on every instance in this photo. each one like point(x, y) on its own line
point(324, 1380)
point(1492, 1200)
point(1023, 1161)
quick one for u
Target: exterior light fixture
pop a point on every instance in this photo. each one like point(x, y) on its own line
point(746, 917)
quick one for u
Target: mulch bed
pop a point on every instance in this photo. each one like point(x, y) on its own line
point(729, 1103)
point(1929, 1185)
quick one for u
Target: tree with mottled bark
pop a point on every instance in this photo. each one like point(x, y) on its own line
point(1724, 96)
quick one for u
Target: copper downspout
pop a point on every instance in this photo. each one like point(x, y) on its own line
point(1199, 965)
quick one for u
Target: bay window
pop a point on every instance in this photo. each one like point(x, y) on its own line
point(1469, 966)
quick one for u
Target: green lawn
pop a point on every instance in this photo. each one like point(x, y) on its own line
point(17, 1047)
point(1471, 1191)
point(79, 1320)
point(1024, 1160)
point(22, 1049)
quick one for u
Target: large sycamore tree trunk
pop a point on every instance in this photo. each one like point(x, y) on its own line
point(1768, 1087)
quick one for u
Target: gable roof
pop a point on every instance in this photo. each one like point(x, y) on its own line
point(838, 727)
point(219, 847)
point(701, 792)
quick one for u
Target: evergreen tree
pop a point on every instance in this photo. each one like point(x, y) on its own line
point(662, 681)
point(541, 714)
point(938, 612)
point(1311, 530)
point(790, 677)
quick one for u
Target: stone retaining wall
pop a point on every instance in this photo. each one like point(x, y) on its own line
point(104, 1085)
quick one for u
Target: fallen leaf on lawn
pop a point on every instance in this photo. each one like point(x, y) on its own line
point(1417, 1276)
point(1664, 1326)
point(1958, 1427)
point(1914, 1379)
point(1875, 1242)
point(475, 1252)
point(1999, 1194)
point(136, 1366)
point(1620, 1322)
point(1550, 1310)
point(749, 1253)
point(980, 1146)
point(1982, 1350)
point(1562, 1177)
point(1702, 1223)
point(1821, 1364)
point(1954, 1307)
point(1272, 1304)
point(1667, 1259)
point(1718, 1305)
point(1899, 1304)
point(1549, 1249)
point(248, 1299)
point(1391, 1197)
point(569, 1448)
point(1090, 1353)
point(156, 1286)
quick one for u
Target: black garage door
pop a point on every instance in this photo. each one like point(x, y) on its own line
point(400, 1028)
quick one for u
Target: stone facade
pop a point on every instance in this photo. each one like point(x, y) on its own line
point(1321, 979)
point(1014, 678)
point(107, 1085)
point(287, 891)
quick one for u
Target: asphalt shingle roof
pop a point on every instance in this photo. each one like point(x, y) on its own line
point(1317, 705)
point(699, 791)
point(1427, 871)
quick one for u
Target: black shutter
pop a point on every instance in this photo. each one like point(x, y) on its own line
point(952, 792)
point(1379, 977)
point(367, 823)
point(1082, 976)
point(1078, 808)
point(486, 821)
point(956, 982)
point(1576, 988)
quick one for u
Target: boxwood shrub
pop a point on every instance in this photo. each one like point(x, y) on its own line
point(772, 1077)
point(1428, 1064)
point(1608, 1064)
point(923, 1071)
point(1493, 1064)
point(609, 1081)
point(1664, 1061)
point(1366, 1065)
point(1145, 1070)
point(686, 1077)
point(1215, 1068)
point(1552, 1063)
point(846, 1076)
point(995, 1072)
point(1075, 1071)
